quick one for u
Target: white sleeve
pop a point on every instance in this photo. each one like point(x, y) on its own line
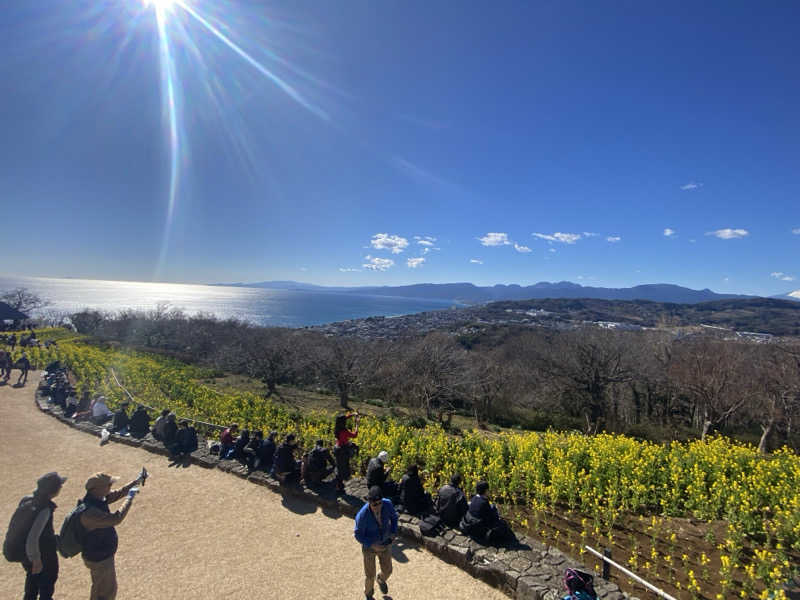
point(32, 543)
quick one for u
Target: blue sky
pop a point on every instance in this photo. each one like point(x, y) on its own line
point(364, 142)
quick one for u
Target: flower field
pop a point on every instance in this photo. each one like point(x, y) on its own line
point(709, 519)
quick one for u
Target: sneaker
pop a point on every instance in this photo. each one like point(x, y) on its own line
point(382, 585)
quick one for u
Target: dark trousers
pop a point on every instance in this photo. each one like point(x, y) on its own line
point(42, 584)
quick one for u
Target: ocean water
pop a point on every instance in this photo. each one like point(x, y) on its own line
point(287, 308)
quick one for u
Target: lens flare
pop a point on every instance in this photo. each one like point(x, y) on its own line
point(176, 12)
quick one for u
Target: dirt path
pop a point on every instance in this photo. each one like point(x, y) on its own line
point(195, 533)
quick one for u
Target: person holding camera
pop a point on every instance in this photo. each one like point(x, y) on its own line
point(100, 536)
point(375, 529)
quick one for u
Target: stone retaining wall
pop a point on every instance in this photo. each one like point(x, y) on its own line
point(525, 570)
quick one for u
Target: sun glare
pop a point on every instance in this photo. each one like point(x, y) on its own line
point(159, 4)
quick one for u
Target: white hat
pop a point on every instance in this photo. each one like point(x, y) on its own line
point(383, 456)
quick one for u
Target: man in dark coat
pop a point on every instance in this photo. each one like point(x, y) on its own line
point(120, 423)
point(413, 497)
point(377, 475)
point(140, 422)
point(482, 521)
point(451, 503)
point(35, 539)
point(318, 460)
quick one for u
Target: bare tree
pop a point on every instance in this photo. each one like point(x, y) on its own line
point(434, 375)
point(342, 362)
point(708, 371)
point(589, 362)
point(23, 300)
point(778, 379)
point(270, 357)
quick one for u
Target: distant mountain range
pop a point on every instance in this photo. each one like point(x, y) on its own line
point(472, 294)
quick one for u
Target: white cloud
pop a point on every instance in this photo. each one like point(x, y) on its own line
point(413, 263)
point(564, 238)
point(377, 264)
point(796, 231)
point(495, 239)
point(428, 238)
point(553, 250)
point(349, 270)
point(520, 248)
point(304, 269)
point(590, 234)
point(782, 276)
point(613, 239)
point(691, 186)
point(425, 242)
point(476, 261)
point(669, 232)
point(728, 233)
point(384, 241)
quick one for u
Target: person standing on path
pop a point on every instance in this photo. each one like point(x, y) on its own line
point(376, 526)
point(35, 540)
point(100, 540)
point(24, 365)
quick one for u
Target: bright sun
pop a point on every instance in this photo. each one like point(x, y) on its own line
point(160, 4)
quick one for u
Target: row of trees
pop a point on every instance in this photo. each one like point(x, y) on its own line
point(596, 379)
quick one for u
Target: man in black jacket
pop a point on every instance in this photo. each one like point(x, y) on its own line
point(451, 503)
point(100, 539)
point(318, 460)
point(265, 455)
point(377, 475)
point(120, 423)
point(286, 467)
point(140, 422)
point(34, 538)
point(482, 521)
point(413, 497)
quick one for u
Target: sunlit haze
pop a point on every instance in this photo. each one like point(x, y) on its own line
point(363, 143)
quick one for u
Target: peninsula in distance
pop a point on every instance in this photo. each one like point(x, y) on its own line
point(468, 293)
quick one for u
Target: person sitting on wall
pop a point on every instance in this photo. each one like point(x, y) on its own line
point(226, 441)
point(286, 467)
point(170, 430)
point(100, 411)
point(121, 423)
point(140, 422)
point(451, 503)
point(482, 521)
point(158, 426)
point(318, 460)
point(413, 497)
point(266, 453)
point(377, 475)
point(240, 446)
point(185, 440)
point(70, 404)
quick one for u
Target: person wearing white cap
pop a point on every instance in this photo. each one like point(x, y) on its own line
point(377, 475)
point(32, 541)
point(100, 541)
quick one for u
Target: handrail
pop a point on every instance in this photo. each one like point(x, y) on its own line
point(122, 387)
point(649, 586)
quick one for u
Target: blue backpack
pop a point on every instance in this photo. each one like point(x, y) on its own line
point(579, 585)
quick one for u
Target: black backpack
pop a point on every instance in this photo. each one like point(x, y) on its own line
point(431, 526)
point(19, 527)
point(70, 540)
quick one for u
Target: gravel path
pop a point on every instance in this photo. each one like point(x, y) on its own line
point(195, 533)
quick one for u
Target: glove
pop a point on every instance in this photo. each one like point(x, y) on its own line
point(132, 492)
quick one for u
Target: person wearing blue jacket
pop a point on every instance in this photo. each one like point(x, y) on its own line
point(376, 526)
